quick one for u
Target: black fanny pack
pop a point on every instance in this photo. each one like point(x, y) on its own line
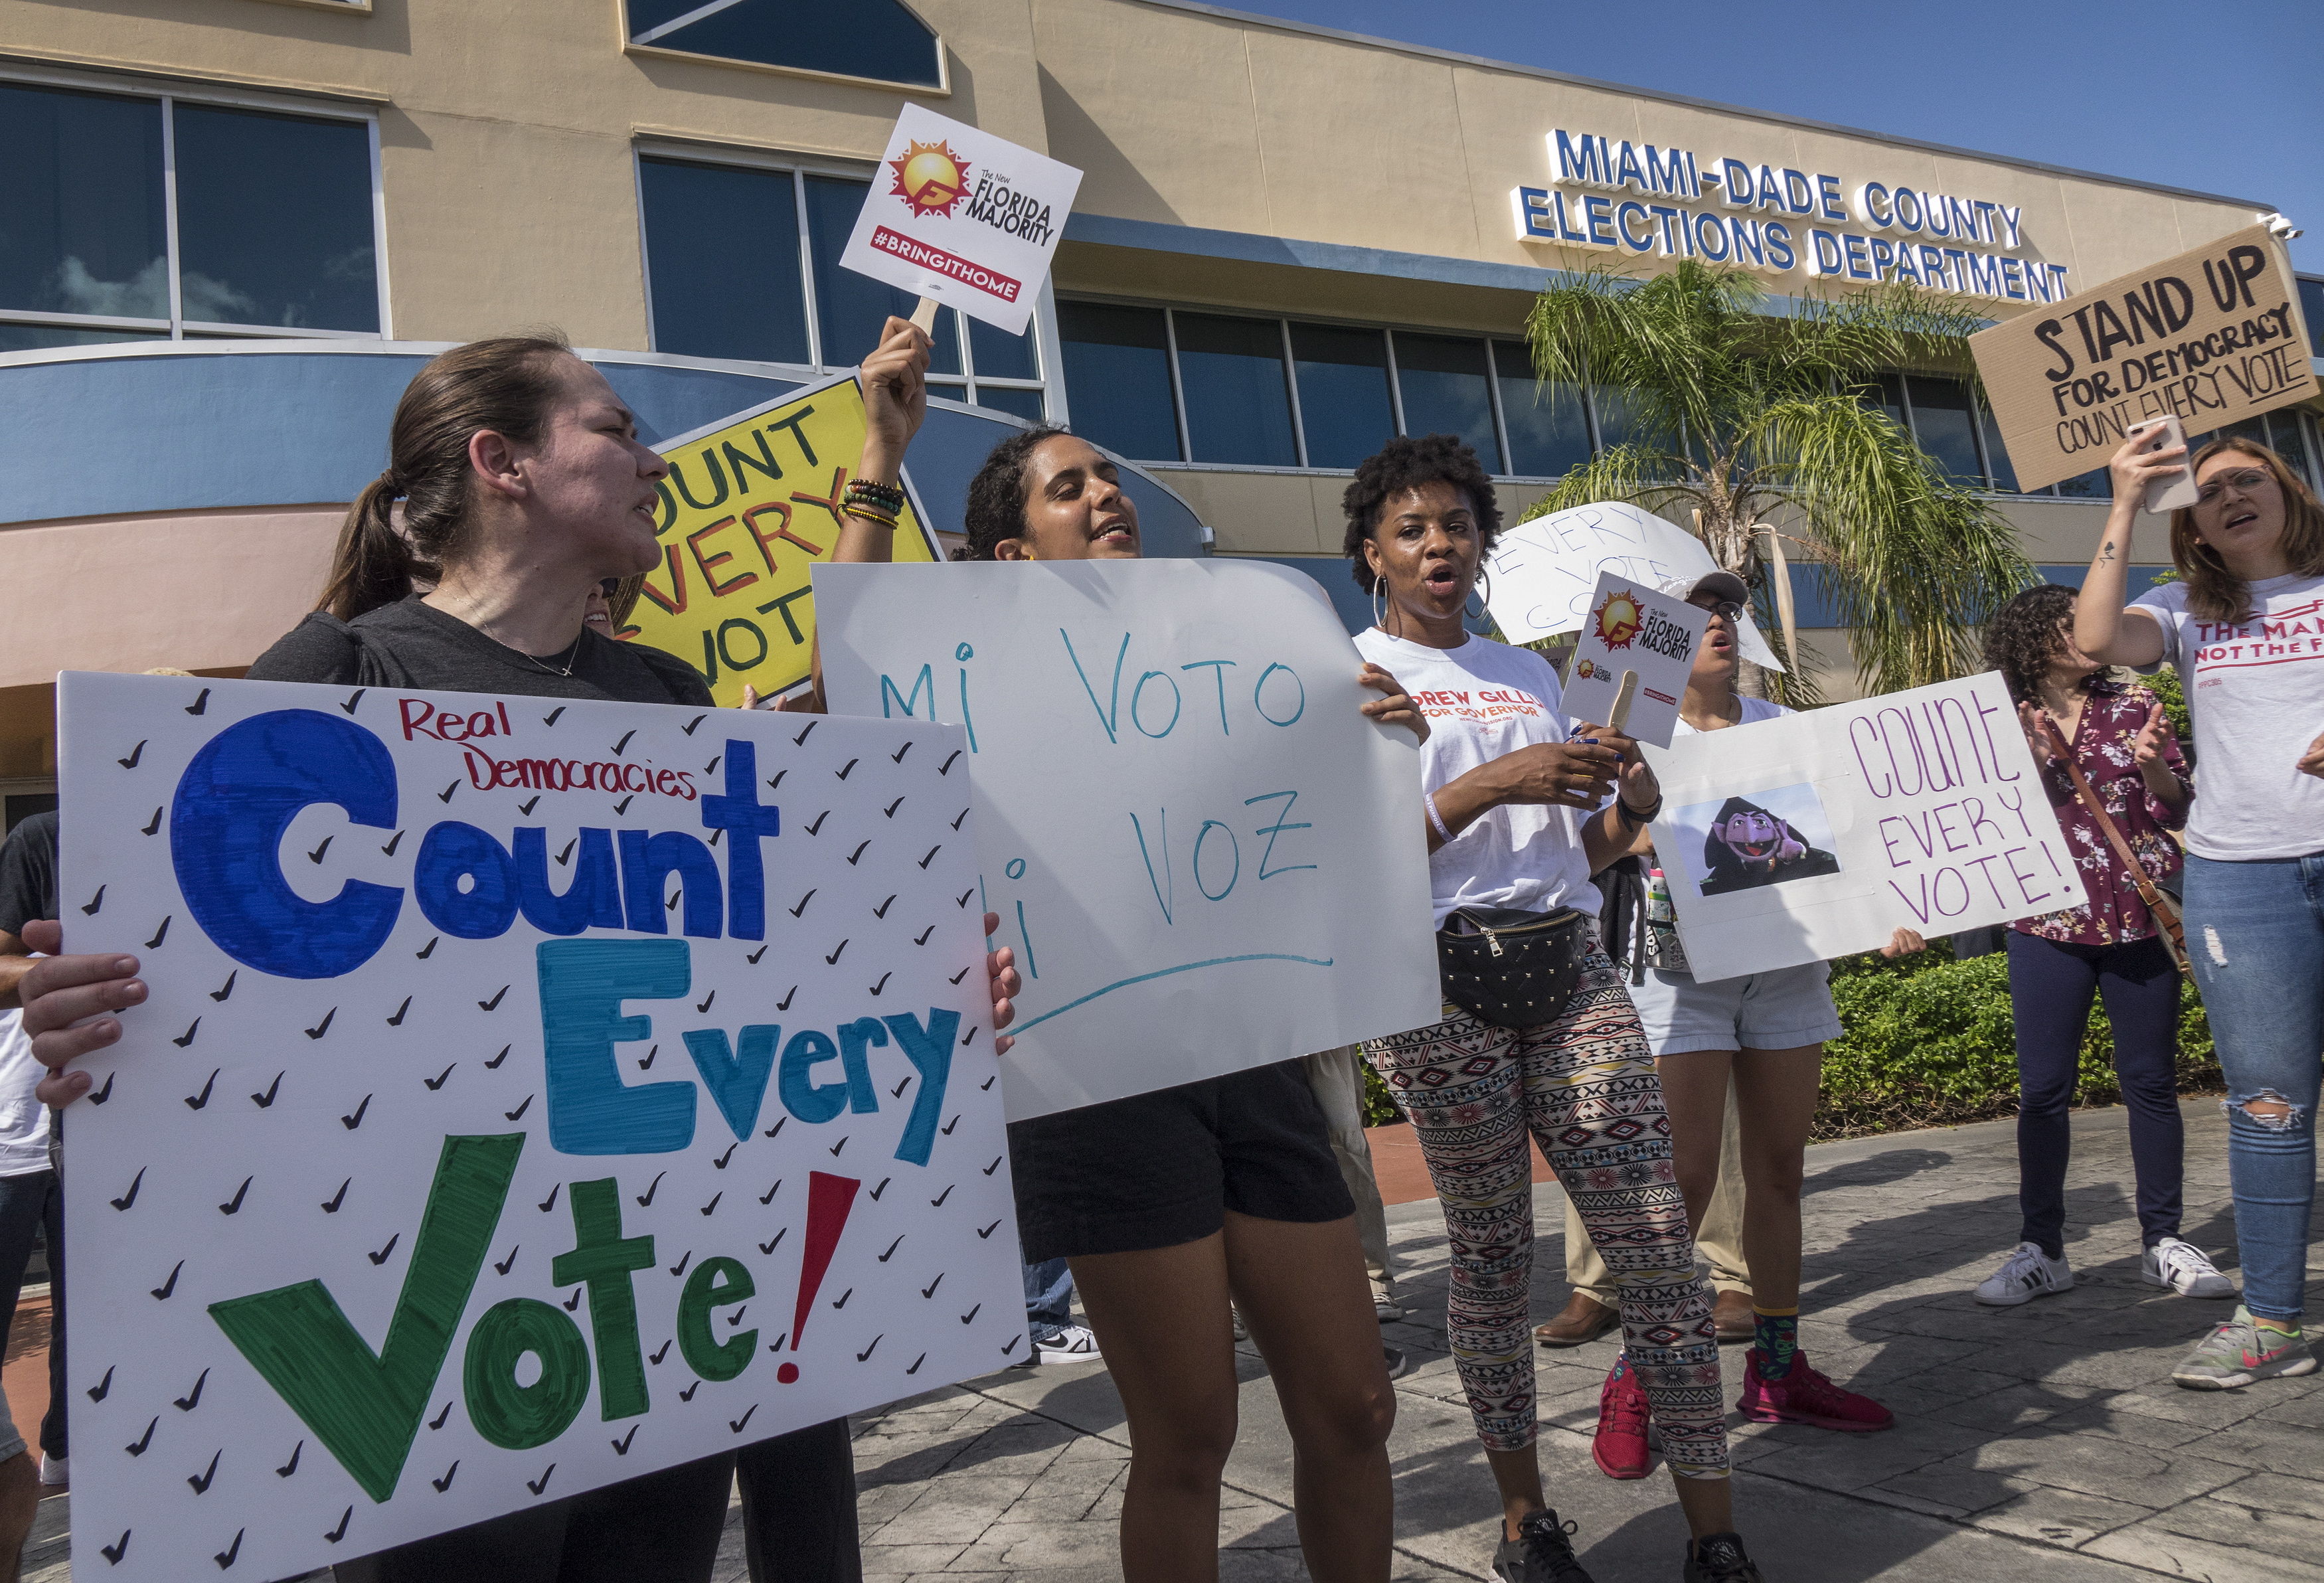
point(1514, 970)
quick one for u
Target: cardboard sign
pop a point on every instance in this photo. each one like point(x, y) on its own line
point(964, 217)
point(1205, 856)
point(1813, 835)
point(1632, 630)
point(1544, 571)
point(530, 1097)
point(750, 502)
point(2213, 336)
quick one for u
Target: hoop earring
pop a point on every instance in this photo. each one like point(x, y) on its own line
point(1379, 603)
point(1484, 593)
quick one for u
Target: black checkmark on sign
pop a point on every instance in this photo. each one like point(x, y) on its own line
point(381, 1257)
point(494, 1063)
point(135, 753)
point(987, 1231)
point(438, 1080)
point(898, 756)
point(517, 1114)
point(445, 1482)
point(505, 1265)
point(891, 1249)
point(550, 718)
point(103, 1388)
point(317, 855)
point(946, 769)
point(721, 1161)
point(684, 1259)
point(923, 940)
point(401, 1012)
point(224, 1558)
point(850, 765)
point(882, 1188)
point(566, 856)
point(291, 1467)
point(855, 854)
point(137, 1449)
point(833, 959)
point(621, 746)
point(322, 1028)
point(528, 804)
point(753, 958)
point(549, 1203)
point(127, 1198)
point(354, 698)
point(186, 1039)
point(865, 1355)
point(930, 1291)
point(623, 805)
point(196, 1101)
point(446, 795)
point(707, 1000)
point(226, 988)
point(201, 1481)
point(233, 1206)
point(120, 1547)
point(495, 1003)
point(345, 1517)
point(442, 1419)
point(537, 1485)
point(356, 1120)
point(193, 1398)
point(713, 1204)
point(659, 1353)
point(645, 1198)
point(159, 935)
point(882, 910)
point(687, 1394)
point(388, 850)
point(339, 1197)
point(891, 809)
point(622, 1447)
point(153, 825)
point(817, 827)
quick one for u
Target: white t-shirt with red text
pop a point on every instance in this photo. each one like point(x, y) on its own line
point(1483, 701)
point(2255, 689)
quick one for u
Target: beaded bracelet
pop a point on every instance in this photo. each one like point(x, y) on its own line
point(870, 513)
point(889, 495)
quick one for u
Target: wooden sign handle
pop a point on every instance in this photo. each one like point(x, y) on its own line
point(1619, 717)
point(925, 316)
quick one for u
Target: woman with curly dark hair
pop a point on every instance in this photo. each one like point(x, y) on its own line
point(1513, 842)
point(2109, 947)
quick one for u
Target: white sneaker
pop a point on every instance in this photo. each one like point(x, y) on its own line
point(1387, 1310)
point(2185, 1268)
point(2026, 1273)
point(1072, 1344)
point(54, 1472)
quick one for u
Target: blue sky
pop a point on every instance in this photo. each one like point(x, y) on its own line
point(2224, 96)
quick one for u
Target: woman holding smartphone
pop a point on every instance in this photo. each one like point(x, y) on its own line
point(2245, 626)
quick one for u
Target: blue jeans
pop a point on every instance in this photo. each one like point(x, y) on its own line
point(1049, 1298)
point(2256, 934)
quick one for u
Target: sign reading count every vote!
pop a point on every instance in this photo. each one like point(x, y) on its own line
point(531, 1096)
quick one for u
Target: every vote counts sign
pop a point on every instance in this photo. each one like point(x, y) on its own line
point(1817, 834)
point(1205, 856)
point(531, 1096)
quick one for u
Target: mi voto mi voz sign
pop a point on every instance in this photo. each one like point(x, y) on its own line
point(1674, 203)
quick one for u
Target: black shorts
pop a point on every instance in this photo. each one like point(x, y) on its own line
point(1157, 1170)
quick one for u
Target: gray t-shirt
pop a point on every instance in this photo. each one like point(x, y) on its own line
point(2255, 689)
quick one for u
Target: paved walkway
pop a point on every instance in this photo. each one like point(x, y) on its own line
point(2039, 1442)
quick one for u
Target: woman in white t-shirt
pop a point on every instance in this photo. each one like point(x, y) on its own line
point(1764, 1033)
point(2245, 626)
point(1510, 831)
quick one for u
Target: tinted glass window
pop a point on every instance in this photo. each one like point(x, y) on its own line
point(1117, 378)
point(40, 337)
point(1445, 391)
point(81, 226)
point(274, 220)
point(851, 307)
point(1000, 355)
point(1996, 458)
point(1343, 392)
point(1238, 407)
point(1887, 392)
point(1941, 422)
point(1025, 404)
point(2312, 308)
point(1549, 434)
point(723, 253)
point(2097, 486)
point(878, 39)
point(1618, 424)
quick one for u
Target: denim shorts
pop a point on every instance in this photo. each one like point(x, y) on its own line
point(1778, 1011)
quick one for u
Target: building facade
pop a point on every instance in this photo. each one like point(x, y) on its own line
point(231, 227)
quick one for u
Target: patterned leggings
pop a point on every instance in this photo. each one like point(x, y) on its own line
point(1585, 1087)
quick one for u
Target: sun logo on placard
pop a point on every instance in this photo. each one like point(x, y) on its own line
point(1617, 620)
point(930, 178)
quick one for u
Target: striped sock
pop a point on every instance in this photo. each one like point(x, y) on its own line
point(1777, 1335)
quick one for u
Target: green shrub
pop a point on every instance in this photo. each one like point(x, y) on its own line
point(1930, 1043)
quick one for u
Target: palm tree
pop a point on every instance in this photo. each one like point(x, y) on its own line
point(1738, 416)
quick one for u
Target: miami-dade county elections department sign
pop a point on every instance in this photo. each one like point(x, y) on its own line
point(2211, 336)
point(1633, 629)
point(1817, 834)
point(1205, 856)
point(750, 502)
point(964, 217)
point(1543, 571)
point(531, 1096)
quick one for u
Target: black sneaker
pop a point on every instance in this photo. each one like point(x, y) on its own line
point(1541, 1553)
point(1718, 1557)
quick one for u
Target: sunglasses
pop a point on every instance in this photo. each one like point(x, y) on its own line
point(2245, 479)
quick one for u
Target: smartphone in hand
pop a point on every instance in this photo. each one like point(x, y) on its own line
point(2160, 434)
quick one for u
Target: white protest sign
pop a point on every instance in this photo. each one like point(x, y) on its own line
point(1817, 834)
point(964, 217)
point(531, 1096)
point(1543, 571)
point(1631, 630)
point(1205, 856)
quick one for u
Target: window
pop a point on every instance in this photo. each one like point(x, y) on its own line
point(877, 39)
point(743, 261)
point(1959, 432)
point(2312, 308)
point(1549, 432)
point(274, 228)
point(1238, 403)
point(1118, 368)
point(1347, 402)
point(1447, 386)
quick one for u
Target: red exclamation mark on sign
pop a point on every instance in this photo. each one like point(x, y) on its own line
point(828, 1200)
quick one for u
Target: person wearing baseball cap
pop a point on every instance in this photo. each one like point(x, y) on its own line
point(1763, 1033)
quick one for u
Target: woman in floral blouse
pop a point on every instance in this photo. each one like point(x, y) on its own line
point(2111, 946)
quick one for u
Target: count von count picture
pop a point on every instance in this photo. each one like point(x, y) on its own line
point(1769, 838)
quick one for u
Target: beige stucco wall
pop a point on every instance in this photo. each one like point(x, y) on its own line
point(507, 130)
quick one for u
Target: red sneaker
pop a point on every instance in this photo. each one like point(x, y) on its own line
point(1805, 1396)
point(1619, 1447)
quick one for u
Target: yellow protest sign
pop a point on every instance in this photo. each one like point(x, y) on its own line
point(749, 505)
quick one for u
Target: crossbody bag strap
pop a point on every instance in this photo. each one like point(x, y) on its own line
point(2147, 890)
